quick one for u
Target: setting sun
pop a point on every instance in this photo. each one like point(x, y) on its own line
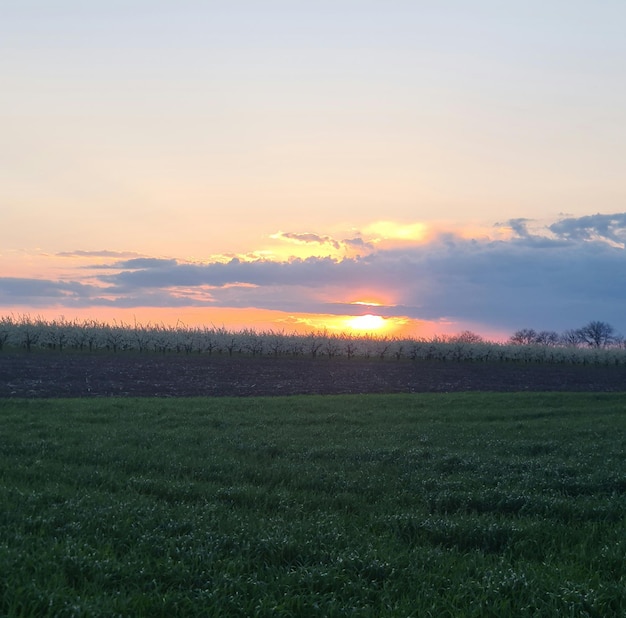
point(323, 178)
point(366, 322)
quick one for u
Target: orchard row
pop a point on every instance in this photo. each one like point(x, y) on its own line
point(90, 335)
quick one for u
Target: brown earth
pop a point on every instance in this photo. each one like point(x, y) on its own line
point(69, 374)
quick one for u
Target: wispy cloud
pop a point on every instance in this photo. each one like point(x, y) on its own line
point(319, 244)
point(306, 238)
point(98, 254)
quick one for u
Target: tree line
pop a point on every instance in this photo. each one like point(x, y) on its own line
point(595, 334)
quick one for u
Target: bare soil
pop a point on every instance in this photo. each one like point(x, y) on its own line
point(73, 374)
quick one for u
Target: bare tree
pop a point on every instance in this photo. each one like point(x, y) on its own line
point(314, 343)
point(276, 342)
point(331, 346)
point(547, 337)
point(570, 337)
point(382, 347)
point(597, 334)
point(349, 347)
point(295, 345)
point(467, 336)
point(525, 336)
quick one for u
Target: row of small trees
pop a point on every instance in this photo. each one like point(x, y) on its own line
point(524, 346)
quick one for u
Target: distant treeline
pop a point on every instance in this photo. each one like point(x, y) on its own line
point(595, 343)
point(595, 334)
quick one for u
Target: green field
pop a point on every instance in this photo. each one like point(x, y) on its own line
point(405, 505)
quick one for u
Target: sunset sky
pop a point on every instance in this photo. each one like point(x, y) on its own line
point(445, 165)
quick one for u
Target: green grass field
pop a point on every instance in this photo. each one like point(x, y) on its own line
point(405, 505)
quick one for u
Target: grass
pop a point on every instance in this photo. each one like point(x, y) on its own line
point(405, 505)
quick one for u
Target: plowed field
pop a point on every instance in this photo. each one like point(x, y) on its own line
point(68, 374)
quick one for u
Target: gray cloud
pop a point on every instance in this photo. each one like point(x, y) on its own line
point(592, 227)
point(133, 264)
point(551, 285)
point(358, 243)
point(42, 291)
point(315, 272)
point(519, 226)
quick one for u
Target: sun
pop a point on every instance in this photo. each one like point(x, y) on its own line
point(366, 322)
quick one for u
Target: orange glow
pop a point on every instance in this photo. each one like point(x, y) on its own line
point(238, 319)
point(260, 320)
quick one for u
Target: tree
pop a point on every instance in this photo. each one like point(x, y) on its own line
point(597, 334)
point(547, 337)
point(30, 330)
point(6, 327)
point(467, 336)
point(526, 336)
point(571, 337)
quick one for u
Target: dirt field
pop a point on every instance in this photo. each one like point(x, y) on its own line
point(70, 374)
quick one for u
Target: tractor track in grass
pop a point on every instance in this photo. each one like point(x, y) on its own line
point(73, 374)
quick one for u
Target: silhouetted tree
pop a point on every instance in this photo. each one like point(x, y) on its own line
point(525, 336)
point(547, 337)
point(467, 336)
point(571, 337)
point(597, 334)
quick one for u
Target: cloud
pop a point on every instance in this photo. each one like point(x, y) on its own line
point(314, 271)
point(519, 227)
point(42, 291)
point(132, 264)
point(609, 228)
point(358, 243)
point(307, 238)
point(561, 278)
point(522, 283)
point(343, 246)
point(99, 254)
point(500, 283)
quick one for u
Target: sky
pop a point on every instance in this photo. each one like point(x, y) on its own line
point(289, 165)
